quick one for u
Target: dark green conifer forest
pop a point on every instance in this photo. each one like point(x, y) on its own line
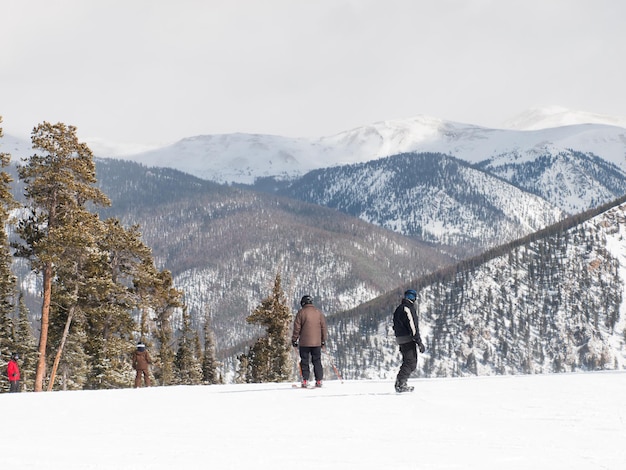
point(101, 290)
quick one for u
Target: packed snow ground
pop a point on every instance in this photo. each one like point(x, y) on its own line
point(565, 421)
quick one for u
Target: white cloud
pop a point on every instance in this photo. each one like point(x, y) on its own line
point(153, 72)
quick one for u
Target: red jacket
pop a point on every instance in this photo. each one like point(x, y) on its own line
point(13, 371)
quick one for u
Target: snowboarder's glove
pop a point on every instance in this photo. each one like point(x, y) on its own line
point(294, 344)
point(421, 347)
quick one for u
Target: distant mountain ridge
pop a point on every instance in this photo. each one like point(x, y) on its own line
point(433, 197)
point(559, 116)
point(242, 158)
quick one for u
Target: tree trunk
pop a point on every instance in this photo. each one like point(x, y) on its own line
point(57, 358)
point(45, 320)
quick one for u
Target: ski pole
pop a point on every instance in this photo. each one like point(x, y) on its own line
point(332, 364)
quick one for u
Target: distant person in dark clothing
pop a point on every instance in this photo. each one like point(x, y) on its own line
point(13, 373)
point(406, 329)
point(310, 333)
point(141, 363)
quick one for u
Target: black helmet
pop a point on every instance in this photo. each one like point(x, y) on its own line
point(15, 356)
point(410, 295)
point(306, 300)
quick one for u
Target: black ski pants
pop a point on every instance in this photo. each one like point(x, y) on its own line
point(14, 386)
point(310, 354)
point(409, 361)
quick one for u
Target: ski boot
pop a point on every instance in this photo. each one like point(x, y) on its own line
point(402, 387)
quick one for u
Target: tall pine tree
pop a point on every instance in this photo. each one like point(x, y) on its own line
point(26, 346)
point(7, 278)
point(59, 184)
point(188, 367)
point(269, 359)
point(209, 361)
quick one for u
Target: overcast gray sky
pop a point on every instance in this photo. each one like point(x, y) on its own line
point(155, 71)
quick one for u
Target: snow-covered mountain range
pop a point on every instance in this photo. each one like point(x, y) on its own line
point(241, 158)
point(467, 186)
point(432, 197)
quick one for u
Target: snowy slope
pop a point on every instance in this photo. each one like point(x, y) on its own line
point(16, 147)
point(552, 304)
point(431, 196)
point(243, 157)
point(557, 116)
point(565, 421)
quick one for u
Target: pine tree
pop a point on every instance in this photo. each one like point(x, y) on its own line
point(59, 184)
point(26, 346)
point(188, 368)
point(78, 278)
point(209, 362)
point(7, 278)
point(165, 301)
point(269, 357)
point(110, 300)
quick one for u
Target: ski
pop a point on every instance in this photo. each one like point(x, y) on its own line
point(309, 386)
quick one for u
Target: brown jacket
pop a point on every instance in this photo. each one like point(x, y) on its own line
point(309, 327)
point(141, 360)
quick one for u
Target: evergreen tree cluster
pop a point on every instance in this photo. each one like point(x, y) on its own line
point(101, 289)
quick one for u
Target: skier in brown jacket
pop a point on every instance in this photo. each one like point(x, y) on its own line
point(310, 333)
point(141, 363)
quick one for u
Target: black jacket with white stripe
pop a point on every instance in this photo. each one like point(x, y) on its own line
point(405, 324)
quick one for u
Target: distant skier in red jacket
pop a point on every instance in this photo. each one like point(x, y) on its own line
point(13, 372)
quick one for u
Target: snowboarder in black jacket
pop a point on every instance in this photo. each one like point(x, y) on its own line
point(407, 333)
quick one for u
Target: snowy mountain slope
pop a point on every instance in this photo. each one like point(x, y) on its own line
point(570, 180)
point(558, 116)
point(16, 147)
point(550, 304)
point(241, 158)
point(430, 196)
point(224, 245)
point(565, 421)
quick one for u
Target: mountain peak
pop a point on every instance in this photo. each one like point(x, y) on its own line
point(558, 116)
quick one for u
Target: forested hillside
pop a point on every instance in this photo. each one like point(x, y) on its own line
point(225, 246)
point(572, 181)
point(431, 197)
point(552, 302)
